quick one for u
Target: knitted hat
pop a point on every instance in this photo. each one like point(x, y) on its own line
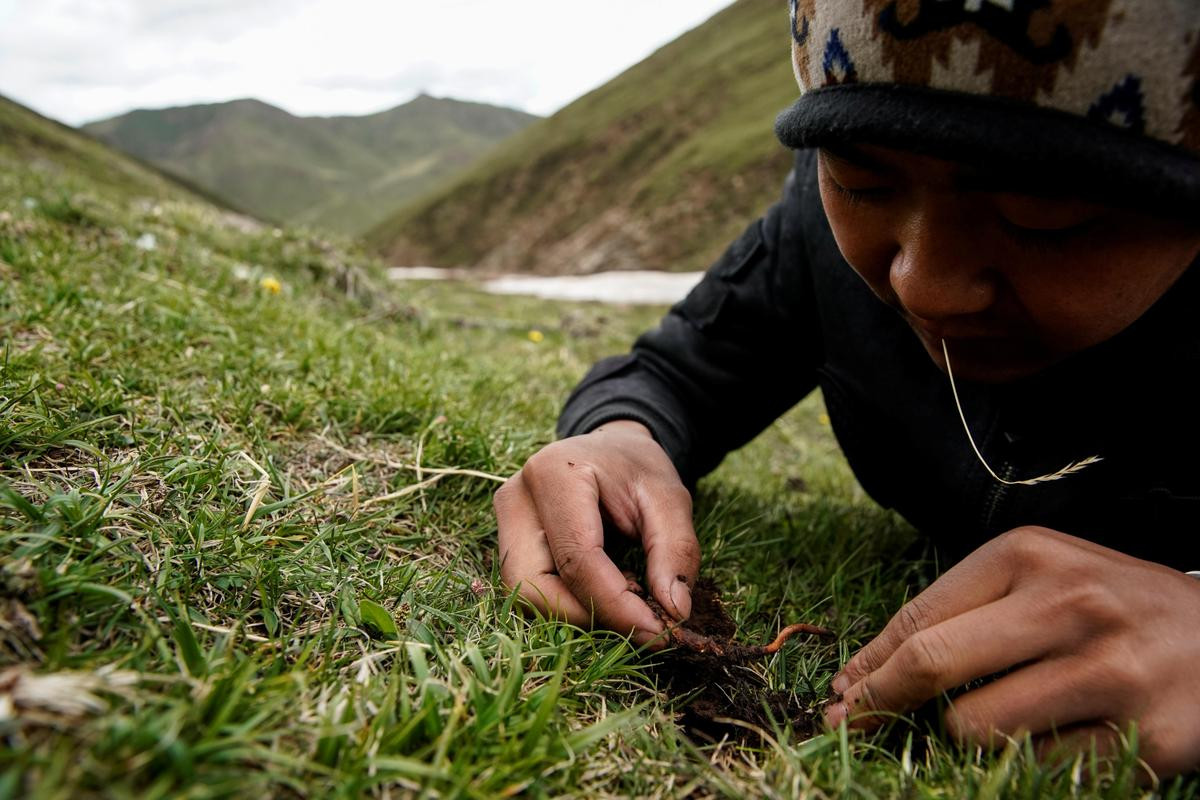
point(1104, 94)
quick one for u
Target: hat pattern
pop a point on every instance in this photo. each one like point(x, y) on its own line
point(1122, 106)
point(1122, 62)
point(839, 68)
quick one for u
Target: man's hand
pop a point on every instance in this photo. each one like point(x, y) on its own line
point(551, 513)
point(1093, 636)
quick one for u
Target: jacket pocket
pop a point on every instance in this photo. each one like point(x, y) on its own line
point(706, 304)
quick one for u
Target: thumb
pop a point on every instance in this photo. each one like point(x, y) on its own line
point(672, 549)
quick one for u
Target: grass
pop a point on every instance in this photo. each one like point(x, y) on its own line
point(200, 595)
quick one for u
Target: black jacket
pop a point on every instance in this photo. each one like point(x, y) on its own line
point(781, 313)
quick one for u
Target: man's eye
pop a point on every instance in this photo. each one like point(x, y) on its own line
point(860, 195)
point(1047, 238)
point(1050, 216)
point(853, 182)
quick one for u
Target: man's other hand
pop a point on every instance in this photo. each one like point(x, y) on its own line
point(1091, 639)
point(551, 519)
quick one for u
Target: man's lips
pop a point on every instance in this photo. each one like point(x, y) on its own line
point(936, 331)
point(980, 348)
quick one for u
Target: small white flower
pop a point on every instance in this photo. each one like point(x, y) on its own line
point(147, 242)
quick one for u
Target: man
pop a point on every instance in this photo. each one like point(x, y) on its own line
point(1004, 190)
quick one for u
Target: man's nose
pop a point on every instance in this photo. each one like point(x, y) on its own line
point(942, 267)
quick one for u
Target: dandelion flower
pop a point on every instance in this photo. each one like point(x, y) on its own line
point(271, 285)
point(823, 419)
point(536, 336)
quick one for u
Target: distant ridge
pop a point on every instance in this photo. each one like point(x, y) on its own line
point(658, 169)
point(343, 173)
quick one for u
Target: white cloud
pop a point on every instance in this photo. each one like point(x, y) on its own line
point(79, 60)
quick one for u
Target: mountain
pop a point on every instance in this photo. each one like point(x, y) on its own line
point(341, 173)
point(659, 168)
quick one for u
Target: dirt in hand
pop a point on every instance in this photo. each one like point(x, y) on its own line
point(710, 675)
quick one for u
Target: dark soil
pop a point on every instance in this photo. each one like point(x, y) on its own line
point(712, 680)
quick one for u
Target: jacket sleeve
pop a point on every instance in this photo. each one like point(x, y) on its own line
point(727, 360)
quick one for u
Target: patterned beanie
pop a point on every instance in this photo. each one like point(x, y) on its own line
point(1102, 96)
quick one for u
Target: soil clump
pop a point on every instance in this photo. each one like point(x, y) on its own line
point(715, 687)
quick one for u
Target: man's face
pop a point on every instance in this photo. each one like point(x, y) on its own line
point(1013, 282)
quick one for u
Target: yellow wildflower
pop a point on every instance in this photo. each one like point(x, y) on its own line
point(536, 336)
point(271, 285)
point(823, 419)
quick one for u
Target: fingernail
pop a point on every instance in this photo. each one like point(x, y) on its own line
point(840, 683)
point(681, 598)
point(655, 640)
point(835, 714)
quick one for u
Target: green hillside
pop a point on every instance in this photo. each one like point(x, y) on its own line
point(54, 152)
point(660, 168)
point(340, 173)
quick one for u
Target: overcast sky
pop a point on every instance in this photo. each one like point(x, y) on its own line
point(81, 60)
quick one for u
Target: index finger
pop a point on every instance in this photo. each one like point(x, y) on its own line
point(672, 549)
point(975, 581)
point(568, 505)
point(974, 644)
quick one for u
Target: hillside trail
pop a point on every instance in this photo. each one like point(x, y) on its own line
point(643, 287)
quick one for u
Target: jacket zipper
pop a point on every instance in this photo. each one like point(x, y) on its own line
point(996, 495)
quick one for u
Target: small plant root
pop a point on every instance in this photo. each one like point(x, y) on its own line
point(710, 645)
point(792, 630)
point(721, 644)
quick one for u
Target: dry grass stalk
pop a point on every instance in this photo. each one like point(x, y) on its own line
point(435, 473)
point(49, 698)
point(420, 469)
point(260, 491)
point(1069, 469)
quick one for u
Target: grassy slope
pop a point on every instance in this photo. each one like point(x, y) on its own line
point(341, 173)
point(192, 529)
point(54, 152)
point(660, 168)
